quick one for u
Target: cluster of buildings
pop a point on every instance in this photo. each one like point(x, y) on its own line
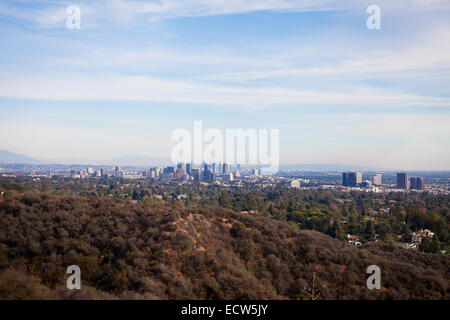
point(118, 172)
point(415, 183)
point(207, 173)
point(416, 239)
point(182, 172)
point(354, 179)
point(87, 173)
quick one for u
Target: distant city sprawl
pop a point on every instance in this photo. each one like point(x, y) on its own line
point(358, 207)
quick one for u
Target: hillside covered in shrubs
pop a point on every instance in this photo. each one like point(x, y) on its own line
point(167, 250)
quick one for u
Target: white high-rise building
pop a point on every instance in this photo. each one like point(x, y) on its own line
point(358, 177)
point(376, 179)
point(228, 177)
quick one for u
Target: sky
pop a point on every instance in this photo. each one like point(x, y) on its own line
point(137, 70)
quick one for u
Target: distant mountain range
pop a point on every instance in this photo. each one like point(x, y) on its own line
point(10, 157)
point(7, 157)
point(140, 161)
point(326, 167)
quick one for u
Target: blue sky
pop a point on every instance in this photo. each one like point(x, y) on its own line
point(137, 70)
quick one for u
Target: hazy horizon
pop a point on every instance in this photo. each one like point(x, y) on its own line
point(136, 71)
point(149, 161)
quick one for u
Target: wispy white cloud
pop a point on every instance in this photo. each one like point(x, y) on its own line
point(46, 14)
point(169, 9)
point(140, 88)
point(53, 13)
point(96, 56)
point(431, 52)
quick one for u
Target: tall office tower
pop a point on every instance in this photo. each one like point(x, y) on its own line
point(225, 168)
point(167, 176)
point(376, 179)
point(169, 170)
point(181, 166)
point(188, 168)
point(354, 179)
point(351, 179)
point(412, 183)
point(214, 168)
point(420, 183)
point(402, 180)
point(205, 167)
point(102, 172)
point(239, 167)
point(84, 174)
point(179, 173)
point(208, 176)
point(117, 171)
point(196, 174)
point(345, 179)
point(255, 172)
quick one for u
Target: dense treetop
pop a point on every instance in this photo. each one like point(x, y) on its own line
point(174, 250)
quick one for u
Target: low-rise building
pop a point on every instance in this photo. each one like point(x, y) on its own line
point(353, 239)
point(295, 184)
point(416, 239)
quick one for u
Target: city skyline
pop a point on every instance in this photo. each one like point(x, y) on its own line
point(137, 71)
point(142, 163)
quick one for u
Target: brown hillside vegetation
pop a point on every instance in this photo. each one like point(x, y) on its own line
point(168, 251)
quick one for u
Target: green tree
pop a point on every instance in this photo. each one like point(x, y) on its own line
point(369, 231)
point(336, 230)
